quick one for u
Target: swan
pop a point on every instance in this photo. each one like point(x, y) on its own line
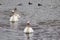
point(15, 17)
point(28, 29)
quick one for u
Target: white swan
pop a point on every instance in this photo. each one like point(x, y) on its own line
point(14, 17)
point(28, 29)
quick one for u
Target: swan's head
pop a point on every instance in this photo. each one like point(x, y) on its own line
point(28, 22)
point(13, 11)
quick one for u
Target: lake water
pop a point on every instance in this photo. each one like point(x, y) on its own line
point(41, 31)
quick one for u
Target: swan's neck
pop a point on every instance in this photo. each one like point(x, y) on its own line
point(28, 25)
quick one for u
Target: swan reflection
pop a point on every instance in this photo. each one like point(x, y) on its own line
point(28, 36)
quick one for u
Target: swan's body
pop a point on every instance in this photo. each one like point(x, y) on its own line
point(28, 29)
point(14, 17)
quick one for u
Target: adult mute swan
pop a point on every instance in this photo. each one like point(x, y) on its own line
point(28, 29)
point(15, 17)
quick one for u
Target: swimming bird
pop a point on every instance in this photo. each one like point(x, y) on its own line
point(15, 16)
point(28, 29)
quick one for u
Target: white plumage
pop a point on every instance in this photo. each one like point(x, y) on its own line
point(28, 29)
point(15, 17)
